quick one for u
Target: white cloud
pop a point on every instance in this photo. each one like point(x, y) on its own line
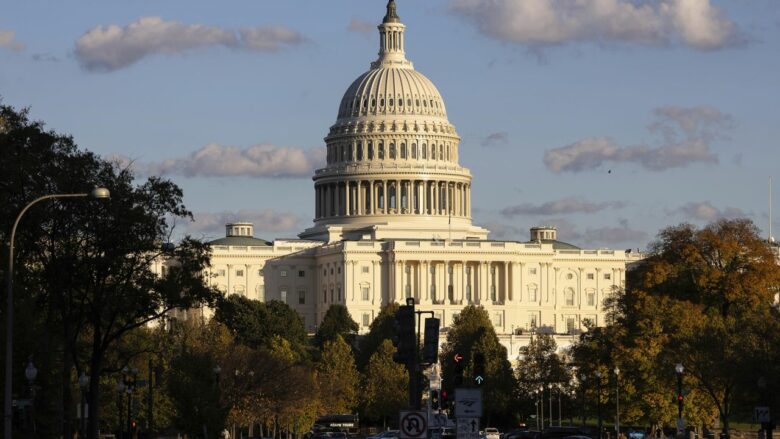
point(111, 47)
point(686, 134)
point(495, 138)
point(705, 211)
point(693, 23)
point(259, 161)
point(266, 221)
point(361, 26)
point(269, 39)
point(560, 207)
point(8, 40)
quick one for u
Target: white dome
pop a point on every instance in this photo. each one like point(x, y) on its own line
point(392, 91)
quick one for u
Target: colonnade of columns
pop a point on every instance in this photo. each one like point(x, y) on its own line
point(453, 282)
point(393, 197)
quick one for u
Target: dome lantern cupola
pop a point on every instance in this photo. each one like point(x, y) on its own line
point(391, 41)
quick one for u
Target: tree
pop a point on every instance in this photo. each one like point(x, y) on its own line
point(384, 385)
point(381, 329)
point(88, 266)
point(472, 333)
point(336, 323)
point(256, 323)
point(696, 300)
point(540, 365)
point(337, 378)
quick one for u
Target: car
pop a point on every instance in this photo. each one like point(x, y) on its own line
point(387, 434)
point(492, 433)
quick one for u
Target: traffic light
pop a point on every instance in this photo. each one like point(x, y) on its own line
point(435, 399)
point(479, 368)
point(404, 337)
point(459, 360)
point(431, 341)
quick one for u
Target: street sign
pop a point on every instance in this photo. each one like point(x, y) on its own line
point(468, 428)
point(680, 427)
point(413, 425)
point(762, 414)
point(468, 403)
point(438, 420)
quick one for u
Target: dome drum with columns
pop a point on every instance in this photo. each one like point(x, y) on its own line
point(393, 221)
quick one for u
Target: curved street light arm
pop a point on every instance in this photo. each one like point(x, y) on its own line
point(8, 414)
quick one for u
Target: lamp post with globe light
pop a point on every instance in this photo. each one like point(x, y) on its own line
point(31, 372)
point(617, 402)
point(598, 398)
point(120, 392)
point(83, 385)
point(679, 369)
point(97, 193)
point(541, 406)
point(550, 387)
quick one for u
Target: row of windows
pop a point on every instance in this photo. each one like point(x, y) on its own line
point(345, 152)
point(363, 104)
point(332, 272)
point(301, 296)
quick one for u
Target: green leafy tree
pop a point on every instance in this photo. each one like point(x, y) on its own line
point(337, 322)
point(694, 300)
point(337, 377)
point(385, 385)
point(381, 329)
point(540, 365)
point(88, 266)
point(256, 323)
point(471, 333)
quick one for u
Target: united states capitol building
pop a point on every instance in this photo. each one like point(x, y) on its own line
point(393, 220)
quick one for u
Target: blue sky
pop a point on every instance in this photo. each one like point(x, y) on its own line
point(608, 118)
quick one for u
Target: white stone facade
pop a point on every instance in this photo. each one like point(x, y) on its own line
point(393, 220)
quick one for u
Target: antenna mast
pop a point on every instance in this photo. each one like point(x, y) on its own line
point(771, 239)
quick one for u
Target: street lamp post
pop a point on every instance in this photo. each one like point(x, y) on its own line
point(120, 392)
point(560, 415)
point(766, 426)
point(541, 409)
point(31, 372)
point(98, 193)
point(536, 393)
point(583, 380)
point(549, 387)
point(598, 398)
point(617, 402)
point(83, 384)
point(679, 369)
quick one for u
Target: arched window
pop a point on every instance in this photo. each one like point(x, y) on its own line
point(381, 197)
point(392, 197)
point(403, 150)
point(414, 150)
point(408, 287)
point(381, 151)
point(359, 147)
point(349, 152)
point(392, 150)
point(441, 152)
point(424, 151)
point(370, 150)
point(569, 296)
point(433, 152)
